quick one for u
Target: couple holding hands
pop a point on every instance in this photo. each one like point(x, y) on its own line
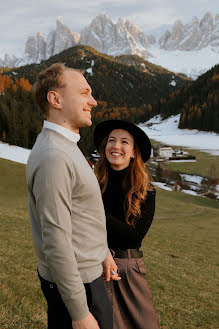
point(88, 227)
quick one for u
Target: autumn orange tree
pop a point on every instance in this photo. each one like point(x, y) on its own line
point(20, 118)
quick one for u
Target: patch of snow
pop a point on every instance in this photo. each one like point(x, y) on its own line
point(167, 132)
point(167, 188)
point(191, 63)
point(90, 71)
point(182, 160)
point(92, 63)
point(173, 83)
point(194, 188)
point(163, 186)
point(189, 192)
point(192, 178)
point(14, 153)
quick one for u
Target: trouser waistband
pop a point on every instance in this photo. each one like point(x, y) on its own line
point(126, 253)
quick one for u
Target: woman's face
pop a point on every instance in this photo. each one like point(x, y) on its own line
point(119, 149)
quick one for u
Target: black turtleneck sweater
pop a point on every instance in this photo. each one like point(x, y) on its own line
point(121, 235)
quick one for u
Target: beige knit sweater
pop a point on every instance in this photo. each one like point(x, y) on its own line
point(67, 218)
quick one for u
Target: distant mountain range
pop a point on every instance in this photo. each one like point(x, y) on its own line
point(125, 38)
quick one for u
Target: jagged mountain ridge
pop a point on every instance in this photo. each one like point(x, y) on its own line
point(122, 38)
point(39, 48)
point(192, 36)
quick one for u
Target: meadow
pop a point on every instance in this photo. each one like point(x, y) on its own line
point(180, 253)
point(206, 164)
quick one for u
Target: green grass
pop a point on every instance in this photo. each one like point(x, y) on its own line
point(203, 165)
point(181, 257)
point(21, 302)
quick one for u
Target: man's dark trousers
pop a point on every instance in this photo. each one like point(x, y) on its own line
point(97, 299)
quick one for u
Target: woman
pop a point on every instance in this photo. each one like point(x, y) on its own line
point(129, 201)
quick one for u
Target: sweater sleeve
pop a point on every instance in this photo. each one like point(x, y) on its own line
point(121, 231)
point(52, 188)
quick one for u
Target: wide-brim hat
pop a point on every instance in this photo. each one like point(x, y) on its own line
point(141, 139)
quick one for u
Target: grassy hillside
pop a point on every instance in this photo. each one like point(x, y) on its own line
point(180, 253)
point(206, 164)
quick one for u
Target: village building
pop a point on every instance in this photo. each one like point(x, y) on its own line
point(162, 151)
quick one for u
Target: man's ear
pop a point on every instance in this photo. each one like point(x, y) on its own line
point(54, 99)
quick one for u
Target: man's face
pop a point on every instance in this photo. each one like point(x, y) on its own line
point(76, 100)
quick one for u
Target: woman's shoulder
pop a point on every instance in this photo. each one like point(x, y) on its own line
point(151, 192)
point(149, 199)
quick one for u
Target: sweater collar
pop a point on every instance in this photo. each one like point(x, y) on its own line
point(72, 136)
point(117, 174)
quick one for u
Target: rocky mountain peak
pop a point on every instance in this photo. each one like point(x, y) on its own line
point(63, 37)
point(115, 39)
point(195, 20)
point(101, 24)
point(38, 49)
point(121, 37)
point(215, 32)
point(192, 36)
point(206, 23)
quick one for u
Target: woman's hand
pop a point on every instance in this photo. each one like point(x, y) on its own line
point(110, 269)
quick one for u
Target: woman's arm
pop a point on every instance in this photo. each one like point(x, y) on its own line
point(127, 234)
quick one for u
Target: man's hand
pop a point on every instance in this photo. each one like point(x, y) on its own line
point(110, 269)
point(89, 322)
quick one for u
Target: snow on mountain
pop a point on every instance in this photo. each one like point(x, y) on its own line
point(64, 38)
point(192, 63)
point(38, 48)
point(191, 48)
point(215, 32)
point(122, 38)
point(167, 131)
point(192, 36)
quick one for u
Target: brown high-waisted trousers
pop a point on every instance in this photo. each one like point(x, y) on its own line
point(131, 298)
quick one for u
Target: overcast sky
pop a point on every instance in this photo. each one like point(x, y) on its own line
point(21, 18)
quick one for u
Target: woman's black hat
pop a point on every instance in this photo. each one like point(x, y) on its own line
point(141, 139)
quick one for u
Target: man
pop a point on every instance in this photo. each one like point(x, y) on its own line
point(65, 205)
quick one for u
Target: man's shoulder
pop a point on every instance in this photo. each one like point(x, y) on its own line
point(49, 140)
point(51, 146)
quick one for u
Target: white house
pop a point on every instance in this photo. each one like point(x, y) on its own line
point(163, 151)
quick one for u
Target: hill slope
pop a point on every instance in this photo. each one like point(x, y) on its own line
point(119, 84)
point(179, 247)
point(122, 90)
point(198, 102)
